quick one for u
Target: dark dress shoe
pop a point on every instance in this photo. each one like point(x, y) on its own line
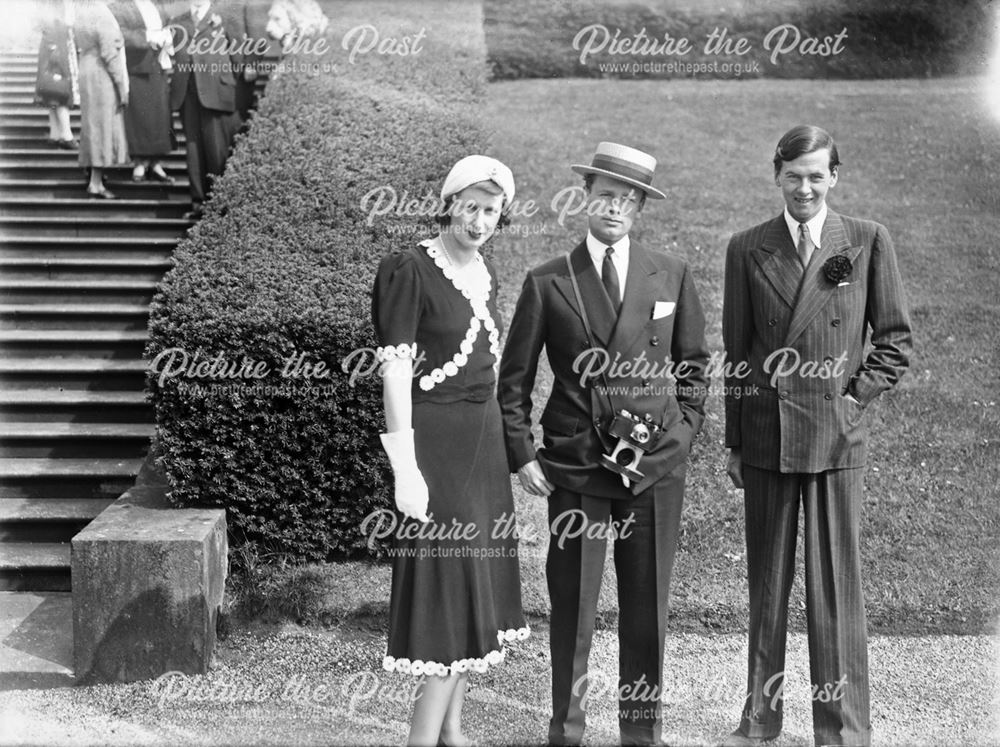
point(70, 144)
point(194, 213)
point(103, 193)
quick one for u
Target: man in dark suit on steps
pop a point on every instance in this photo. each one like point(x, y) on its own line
point(802, 292)
point(208, 42)
point(644, 353)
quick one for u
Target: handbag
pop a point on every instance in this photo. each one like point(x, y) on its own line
point(53, 84)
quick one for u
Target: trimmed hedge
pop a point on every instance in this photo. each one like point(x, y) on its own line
point(887, 39)
point(282, 265)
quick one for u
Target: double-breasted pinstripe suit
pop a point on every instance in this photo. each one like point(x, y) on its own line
point(805, 342)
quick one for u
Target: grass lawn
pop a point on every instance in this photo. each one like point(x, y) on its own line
point(918, 156)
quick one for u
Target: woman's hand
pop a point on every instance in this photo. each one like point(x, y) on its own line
point(411, 494)
point(411, 490)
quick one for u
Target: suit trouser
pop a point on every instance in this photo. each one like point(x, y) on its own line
point(209, 136)
point(645, 539)
point(835, 612)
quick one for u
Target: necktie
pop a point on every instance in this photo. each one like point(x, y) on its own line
point(805, 246)
point(609, 276)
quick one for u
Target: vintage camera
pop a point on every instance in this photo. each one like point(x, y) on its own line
point(636, 437)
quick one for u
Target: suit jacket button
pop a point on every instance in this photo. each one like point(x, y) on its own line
point(835, 323)
point(783, 395)
point(827, 396)
point(597, 422)
point(654, 340)
point(771, 322)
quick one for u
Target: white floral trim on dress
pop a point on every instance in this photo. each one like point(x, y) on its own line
point(474, 283)
point(418, 667)
point(396, 352)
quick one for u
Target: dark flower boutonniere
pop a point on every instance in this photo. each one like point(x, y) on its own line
point(837, 268)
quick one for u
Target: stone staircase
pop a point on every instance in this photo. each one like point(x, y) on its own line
point(76, 279)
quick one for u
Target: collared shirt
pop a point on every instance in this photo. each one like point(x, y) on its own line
point(150, 16)
point(596, 250)
point(199, 10)
point(815, 226)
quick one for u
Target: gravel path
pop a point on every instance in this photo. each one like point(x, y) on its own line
point(304, 686)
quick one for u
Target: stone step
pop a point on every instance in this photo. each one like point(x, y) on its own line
point(17, 510)
point(63, 343)
point(50, 156)
point(69, 268)
point(33, 440)
point(40, 469)
point(41, 114)
point(34, 138)
point(72, 431)
point(69, 186)
point(35, 566)
point(86, 248)
point(76, 405)
point(40, 520)
point(80, 372)
point(81, 206)
point(77, 291)
point(74, 316)
point(33, 555)
point(95, 226)
point(67, 477)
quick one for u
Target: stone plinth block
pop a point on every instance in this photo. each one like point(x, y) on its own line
point(147, 590)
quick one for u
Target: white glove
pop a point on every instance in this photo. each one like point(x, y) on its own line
point(411, 490)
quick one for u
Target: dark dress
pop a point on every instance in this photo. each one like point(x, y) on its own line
point(147, 118)
point(456, 591)
point(57, 57)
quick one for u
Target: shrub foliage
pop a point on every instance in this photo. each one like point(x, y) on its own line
point(280, 269)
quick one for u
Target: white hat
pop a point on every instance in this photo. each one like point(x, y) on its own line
point(624, 164)
point(474, 169)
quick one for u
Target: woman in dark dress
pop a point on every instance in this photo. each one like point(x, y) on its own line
point(456, 596)
point(58, 84)
point(147, 57)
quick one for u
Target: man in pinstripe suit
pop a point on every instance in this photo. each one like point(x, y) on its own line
point(802, 292)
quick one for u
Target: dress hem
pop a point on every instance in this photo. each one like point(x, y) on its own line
point(419, 667)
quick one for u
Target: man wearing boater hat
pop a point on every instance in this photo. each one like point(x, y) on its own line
point(624, 332)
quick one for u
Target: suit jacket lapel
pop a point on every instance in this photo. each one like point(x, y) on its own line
point(816, 289)
point(637, 304)
point(201, 25)
point(600, 313)
point(779, 261)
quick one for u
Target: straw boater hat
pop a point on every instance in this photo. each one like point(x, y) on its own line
point(624, 164)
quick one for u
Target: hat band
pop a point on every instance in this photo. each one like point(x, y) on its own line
point(627, 169)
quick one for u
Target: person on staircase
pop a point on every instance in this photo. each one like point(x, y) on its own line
point(103, 93)
point(148, 50)
point(207, 43)
point(57, 86)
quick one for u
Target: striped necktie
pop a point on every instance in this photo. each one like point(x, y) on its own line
point(805, 246)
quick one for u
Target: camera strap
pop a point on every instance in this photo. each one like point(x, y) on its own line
point(586, 326)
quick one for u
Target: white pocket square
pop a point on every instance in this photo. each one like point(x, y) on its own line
point(663, 308)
